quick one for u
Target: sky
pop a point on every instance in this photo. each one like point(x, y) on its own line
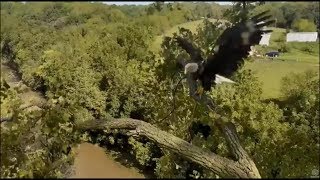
point(149, 2)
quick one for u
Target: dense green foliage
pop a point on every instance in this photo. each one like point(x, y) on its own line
point(291, 51)
point(93, 61)
point(35, 144)
point(303, 25)
point(287, 14)
point(240, 10)
point(300, 16)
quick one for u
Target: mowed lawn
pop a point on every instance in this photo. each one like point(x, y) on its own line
point(269, 72)
point(192, 26)
point(296, 50)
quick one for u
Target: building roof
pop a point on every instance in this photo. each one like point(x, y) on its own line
point(265, 39)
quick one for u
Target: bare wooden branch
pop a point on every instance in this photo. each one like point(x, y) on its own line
point(242, 166)
point(5, 119)
point(229, 131)
point(240, 155)
point(230, 134)
point(222, 166)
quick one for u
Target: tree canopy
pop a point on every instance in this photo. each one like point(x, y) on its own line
point(93, 61)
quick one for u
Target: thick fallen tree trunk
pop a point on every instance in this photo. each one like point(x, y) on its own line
point(224, 167)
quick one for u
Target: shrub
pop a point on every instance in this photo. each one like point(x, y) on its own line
point(304, 25)
point(284, 47)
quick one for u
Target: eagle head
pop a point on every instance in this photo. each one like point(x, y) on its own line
point(191, 68)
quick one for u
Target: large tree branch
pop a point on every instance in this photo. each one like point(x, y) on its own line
point(227, 129)
point(241, 166)
point(5, 119)
point(239, 154)
point(220, 165)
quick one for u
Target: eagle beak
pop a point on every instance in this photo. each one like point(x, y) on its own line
point(220, 79)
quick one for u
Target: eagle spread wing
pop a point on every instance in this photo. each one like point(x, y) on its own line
point(195, 53)
point(232, 47)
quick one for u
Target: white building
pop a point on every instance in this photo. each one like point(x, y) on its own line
point(302, 37)
point(265, 39)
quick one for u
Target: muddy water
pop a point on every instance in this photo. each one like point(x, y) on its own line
point(92, 162)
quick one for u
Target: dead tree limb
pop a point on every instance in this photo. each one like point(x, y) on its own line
point(220, 165)
point(5, 119)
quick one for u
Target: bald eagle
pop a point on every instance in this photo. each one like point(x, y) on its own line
point(229, 51)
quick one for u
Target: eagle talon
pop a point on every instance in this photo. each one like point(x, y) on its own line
point(200, 91)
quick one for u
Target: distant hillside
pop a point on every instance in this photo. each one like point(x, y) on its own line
point(287, 13)
point(196, 9)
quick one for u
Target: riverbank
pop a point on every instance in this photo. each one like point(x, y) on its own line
point(91, 161)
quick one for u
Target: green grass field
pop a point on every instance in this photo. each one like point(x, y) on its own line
point(269, 72)
point(297, 50)
point(189, 25)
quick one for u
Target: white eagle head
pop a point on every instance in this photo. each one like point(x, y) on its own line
point(191, 68)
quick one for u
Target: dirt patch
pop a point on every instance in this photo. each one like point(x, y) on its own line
point(93, 162)
point(28, 96)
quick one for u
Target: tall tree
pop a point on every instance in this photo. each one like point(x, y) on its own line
point(240, 10)
point(159, 5)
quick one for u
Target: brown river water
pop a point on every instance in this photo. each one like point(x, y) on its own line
point(93, 162)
